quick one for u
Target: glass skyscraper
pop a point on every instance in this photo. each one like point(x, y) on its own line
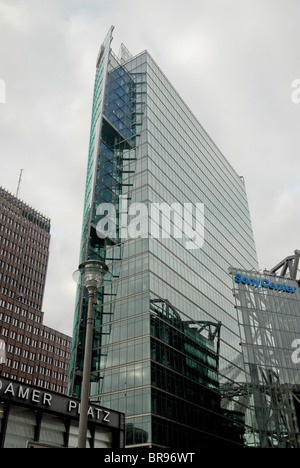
point(168, 214)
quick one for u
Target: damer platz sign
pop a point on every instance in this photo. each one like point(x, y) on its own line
point(38, 398)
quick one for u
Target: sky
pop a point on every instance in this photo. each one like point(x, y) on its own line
point(235, 63)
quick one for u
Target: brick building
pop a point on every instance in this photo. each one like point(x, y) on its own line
point(30, 351)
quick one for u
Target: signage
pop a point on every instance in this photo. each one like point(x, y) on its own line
point(53, 402)
point(265, 283)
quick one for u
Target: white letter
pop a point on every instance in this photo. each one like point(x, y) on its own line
point(123, 213)
point(138, 227)
point(295, 94)
point(165, 210)
point(35, 396)
point(23, 393)
point(98, 412)
point(47, 399)
point(295, 354)
point(2, 92)
point(10, 389)
point(72, 405)
point(196, 236)
point(109, 221)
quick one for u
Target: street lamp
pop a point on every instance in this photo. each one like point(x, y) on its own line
point(91, 274)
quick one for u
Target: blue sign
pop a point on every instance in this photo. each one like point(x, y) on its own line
point(264, 284)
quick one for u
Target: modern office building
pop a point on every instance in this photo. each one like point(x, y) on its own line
point(31, 352)
point(168, 214)
point(268, 309)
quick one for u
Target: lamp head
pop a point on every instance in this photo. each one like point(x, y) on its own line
point(92, 272)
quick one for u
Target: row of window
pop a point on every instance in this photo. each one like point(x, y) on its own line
point(15, 234)
point(29, 369)
point(9, 232)
point(10, 256)
point(35, 303)
point(8, 243)
point(15, 271)
point(22, 211)
point(47, 334)
point(38, 382)
point(8, 292)
point(11, 222)
point(19, 239)
point(13, 335)
point(20, 324)
point(19, 311)
point(14, 283)
point(30, 260)
point(52, 337)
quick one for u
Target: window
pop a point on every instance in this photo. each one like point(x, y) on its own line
point(20, 427)
point(52, 430)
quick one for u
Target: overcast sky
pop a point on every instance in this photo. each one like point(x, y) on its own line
point(234, 63)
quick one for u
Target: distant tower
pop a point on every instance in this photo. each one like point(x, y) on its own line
point(25, 240)
point(34, 353)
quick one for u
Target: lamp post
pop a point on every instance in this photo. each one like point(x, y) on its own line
point(91, 275)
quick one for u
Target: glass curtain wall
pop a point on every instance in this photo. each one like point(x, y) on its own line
point(270, 329)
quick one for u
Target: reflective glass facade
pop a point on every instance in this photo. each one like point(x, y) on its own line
point(268, 309)
point(166, 338)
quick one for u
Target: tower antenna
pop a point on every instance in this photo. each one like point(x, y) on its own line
point(19, 183)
